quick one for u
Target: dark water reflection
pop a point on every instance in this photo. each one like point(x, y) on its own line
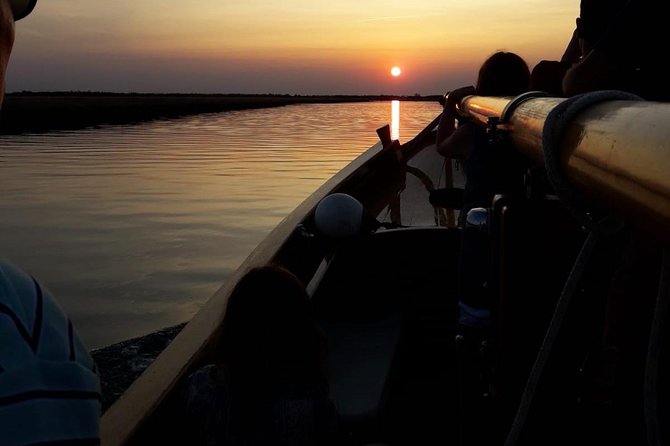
point(133, 228)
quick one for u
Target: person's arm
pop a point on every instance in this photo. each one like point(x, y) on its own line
point(573, 51)
point(452, 141)
point(595, 71)
point(458, 144)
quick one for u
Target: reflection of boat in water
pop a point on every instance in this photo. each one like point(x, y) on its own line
point(387, 298)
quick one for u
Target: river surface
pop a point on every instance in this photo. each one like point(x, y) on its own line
point(134, 227)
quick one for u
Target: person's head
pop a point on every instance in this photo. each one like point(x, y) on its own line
point(598, 18)
point(619, 45)
point(269, 328)
point(503, 74)
point(10, 12)
point(547, 76)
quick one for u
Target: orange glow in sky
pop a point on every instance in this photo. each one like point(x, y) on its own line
point(288, 47)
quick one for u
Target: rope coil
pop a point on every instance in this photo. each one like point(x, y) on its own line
point(552, 135)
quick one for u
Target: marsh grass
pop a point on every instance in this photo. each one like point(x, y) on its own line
point(28, 112)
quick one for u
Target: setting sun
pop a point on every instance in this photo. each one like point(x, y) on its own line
point(395, 71)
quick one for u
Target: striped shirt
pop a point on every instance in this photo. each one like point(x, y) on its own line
point(49, 385)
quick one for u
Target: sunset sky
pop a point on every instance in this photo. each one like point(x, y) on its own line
point(288, 46)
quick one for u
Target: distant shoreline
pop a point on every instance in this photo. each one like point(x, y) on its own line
point(37, 112)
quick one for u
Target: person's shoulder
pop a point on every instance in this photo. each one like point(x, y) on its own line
point(203, 392)
point(14, 281)
point(47, 371)
point(207, 370)
point(308, 398)
point(207, 377)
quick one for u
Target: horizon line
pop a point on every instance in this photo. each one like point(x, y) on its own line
point(103, 92)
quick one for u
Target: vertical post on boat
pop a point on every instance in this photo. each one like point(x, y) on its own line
point(449, 182)
point(384, 134)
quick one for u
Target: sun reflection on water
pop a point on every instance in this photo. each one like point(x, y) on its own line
point(395, 120)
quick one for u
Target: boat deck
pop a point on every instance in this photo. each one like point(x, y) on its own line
point(426, 171)
point(388, 306)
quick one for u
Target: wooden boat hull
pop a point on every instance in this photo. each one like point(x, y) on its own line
point(385, 179)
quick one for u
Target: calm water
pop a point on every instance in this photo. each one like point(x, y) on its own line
point(133, 228)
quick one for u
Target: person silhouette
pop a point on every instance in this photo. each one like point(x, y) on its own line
point(617, 43)
point(49, 385)
point(490, 168)
point(617, 40)
point(268, 385)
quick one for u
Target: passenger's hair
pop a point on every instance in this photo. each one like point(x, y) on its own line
point(503, 74)
point(547, 76)
point(269, 332)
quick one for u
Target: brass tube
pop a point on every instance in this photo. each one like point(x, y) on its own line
point(617, 153)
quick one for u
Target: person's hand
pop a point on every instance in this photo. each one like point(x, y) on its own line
point(573, 51)
point(454, 97)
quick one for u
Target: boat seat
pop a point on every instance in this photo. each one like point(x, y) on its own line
point(360, 359)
